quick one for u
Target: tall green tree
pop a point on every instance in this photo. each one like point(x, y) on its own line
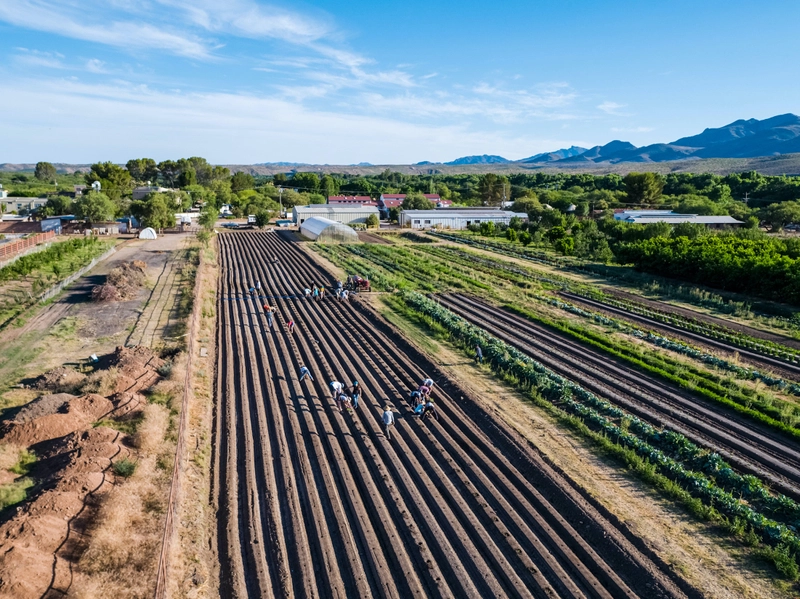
point(170, 171)
point(306, 182)
point(94, 207)
point(777, 216)
point(417, 201)
point(156, 210)
point(142, 169)
point(492, 189)
point(644, 188)
point(45, 171)
point(57, 205)
point(328, 186)
point(241, 181)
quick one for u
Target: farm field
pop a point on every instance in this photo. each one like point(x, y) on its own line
point(317, 502)
point(606, 359)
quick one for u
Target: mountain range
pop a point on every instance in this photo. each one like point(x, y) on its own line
point(740, 139)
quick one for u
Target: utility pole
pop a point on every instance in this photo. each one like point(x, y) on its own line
point(280, 199)
point(746, 194)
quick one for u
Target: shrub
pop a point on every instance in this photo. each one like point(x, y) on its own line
point(124, 468)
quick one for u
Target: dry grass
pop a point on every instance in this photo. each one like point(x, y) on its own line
point(122, 555)
point(102, 382)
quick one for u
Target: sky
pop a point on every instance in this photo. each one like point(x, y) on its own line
point(324, 82)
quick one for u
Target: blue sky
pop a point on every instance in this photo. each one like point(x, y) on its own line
point(246, 81)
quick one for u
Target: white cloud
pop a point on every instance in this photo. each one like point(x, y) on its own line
point(226, 128)
point(96, 66)
point(612, 108)
point(42, 15)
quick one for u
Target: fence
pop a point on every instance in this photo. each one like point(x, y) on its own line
point(55, 289)
point(10, 249)
point(177, 468)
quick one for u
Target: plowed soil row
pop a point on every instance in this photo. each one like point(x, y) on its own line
point(317, 503)
point(748, 445)
point(790, 370)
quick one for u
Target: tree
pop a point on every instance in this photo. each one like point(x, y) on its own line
point(780, 215)
point(94, 207)
point(525, 238)
point(156, 210)
point(188, 177)
point(241, 181)
point(372, 220)
point(142, 169)
point(511, 234)
point(45, 171)
point(492, 189)
point(416, 201)
point(57, 205)
point(262, 218)
point(170, 171)
point(644, 188)
point(208, 216)
point(328, 186)
point(487, 228)
point(114, 179)
point(306, 182)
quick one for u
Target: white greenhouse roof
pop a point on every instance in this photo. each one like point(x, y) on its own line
point(684, 218)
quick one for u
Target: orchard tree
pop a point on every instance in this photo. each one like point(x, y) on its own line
point(94, 207)
point(262, 218)
point(45, 171)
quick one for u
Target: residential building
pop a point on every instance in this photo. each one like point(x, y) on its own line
point(342, 214)
point(455, 219)
point(395, 200)
point(18, 205)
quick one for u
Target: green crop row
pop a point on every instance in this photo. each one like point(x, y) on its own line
point(599, 415)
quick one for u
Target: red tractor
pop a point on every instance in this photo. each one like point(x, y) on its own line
point(356, 284)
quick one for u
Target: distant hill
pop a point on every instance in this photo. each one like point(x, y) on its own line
point(553, 156)
point(750, 138)
point(281, 164)
point(484, 159)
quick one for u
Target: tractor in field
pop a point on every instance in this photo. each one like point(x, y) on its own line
point(356, 284)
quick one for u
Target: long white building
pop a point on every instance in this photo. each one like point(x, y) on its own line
point(341, 214)
point(455, 219)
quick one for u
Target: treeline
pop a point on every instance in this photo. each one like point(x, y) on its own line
point(766, 267)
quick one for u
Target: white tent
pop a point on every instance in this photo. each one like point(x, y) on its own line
point(148, 233)
point(324, 230)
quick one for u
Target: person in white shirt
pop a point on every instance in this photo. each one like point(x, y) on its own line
point(305, 372)
point(388, 421)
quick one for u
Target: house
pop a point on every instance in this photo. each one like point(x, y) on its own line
point(351, 201)
point(341, 214)
point(455, 219)
point(395, 200)
point(78, 190)
point(3, 193)
point(19, 205)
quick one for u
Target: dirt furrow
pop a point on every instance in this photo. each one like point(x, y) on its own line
point(442, 509)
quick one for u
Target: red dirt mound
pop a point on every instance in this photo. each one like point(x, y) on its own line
point(59, 379)
point(137, 368)
point(71, 416)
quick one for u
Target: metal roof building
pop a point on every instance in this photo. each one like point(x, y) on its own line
point(712, 222)
point(324, 230)
point(340, 214)
point(455, 219)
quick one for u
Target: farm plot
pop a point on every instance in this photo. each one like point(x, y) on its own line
point(748, 445)
point(313, 502)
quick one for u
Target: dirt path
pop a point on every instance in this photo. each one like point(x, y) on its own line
point(373, 238)
point(313, 502)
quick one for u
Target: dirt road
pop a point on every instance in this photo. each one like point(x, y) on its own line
point(317, 503)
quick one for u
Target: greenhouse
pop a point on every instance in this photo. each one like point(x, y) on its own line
point(324, 230)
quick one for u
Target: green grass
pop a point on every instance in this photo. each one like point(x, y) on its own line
point(14, 493)
point(124, 468)
point(129, 426)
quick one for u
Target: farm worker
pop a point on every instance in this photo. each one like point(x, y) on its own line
point(355, 393)
point(425, 392)
point(343, 400)
point(336, 389)
point(428, 410)
point(307, 292)
point(388, 420)
point(478, 354)
point(419, 409)
point(258, 285)
point(338, 284)
point(290, 326)
point(252, 290)
point(416, 398)
point(316, 293)
point(428, 383)
point(345, 295)
point(274, 259)
point(305, 372)
point(268, 309)
point(321, 292)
